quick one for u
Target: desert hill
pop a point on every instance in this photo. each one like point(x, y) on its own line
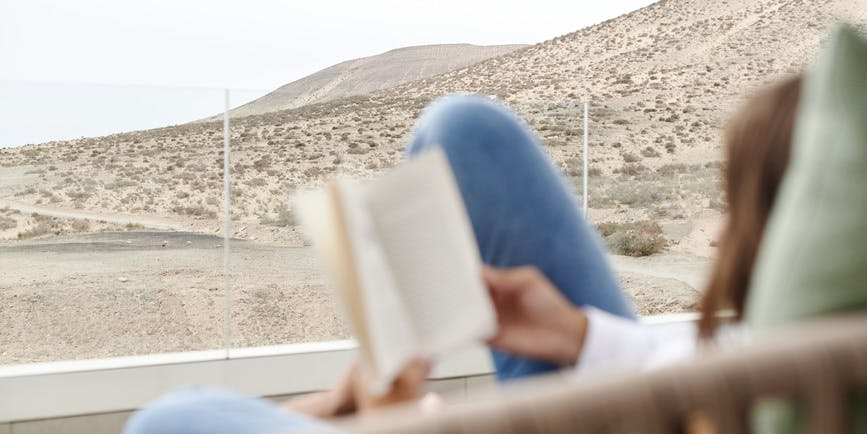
point(369, 74)
point(660, 80)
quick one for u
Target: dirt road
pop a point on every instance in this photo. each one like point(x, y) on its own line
point(123, 219)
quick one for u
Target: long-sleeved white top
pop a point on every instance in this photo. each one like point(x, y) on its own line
point(613, 343)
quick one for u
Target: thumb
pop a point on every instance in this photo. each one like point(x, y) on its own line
point(511, 280)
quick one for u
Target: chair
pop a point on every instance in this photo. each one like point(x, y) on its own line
point(820, 365)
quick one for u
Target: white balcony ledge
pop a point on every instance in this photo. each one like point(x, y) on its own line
point(80, 387)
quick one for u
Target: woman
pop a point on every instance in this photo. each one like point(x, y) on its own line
point(557, 299)
point(536, 321)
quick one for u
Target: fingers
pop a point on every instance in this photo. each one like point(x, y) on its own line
point(431, 403)
point(413, 375)
point(511, 280)
point(406, 387)
point(331, 403)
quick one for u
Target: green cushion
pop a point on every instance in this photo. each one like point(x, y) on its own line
point(813, 258)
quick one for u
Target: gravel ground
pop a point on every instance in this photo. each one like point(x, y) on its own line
point(124, 293)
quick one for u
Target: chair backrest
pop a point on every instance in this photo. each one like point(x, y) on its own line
point(820, 365)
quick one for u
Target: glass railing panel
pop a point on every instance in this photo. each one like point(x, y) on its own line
point(655, 196)
point(109, 220)
point(279, 292)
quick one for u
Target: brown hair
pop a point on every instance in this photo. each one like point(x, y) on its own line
point(758, 140)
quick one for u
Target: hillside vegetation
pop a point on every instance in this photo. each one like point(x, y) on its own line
point(661, 81)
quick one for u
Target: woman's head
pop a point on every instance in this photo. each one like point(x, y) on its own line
point(758, 140)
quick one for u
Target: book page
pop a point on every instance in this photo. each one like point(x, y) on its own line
point(321, 221)
point(431, 251)
point(391, 338)
point(344, 238)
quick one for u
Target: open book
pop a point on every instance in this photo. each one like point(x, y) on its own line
point(401, 253)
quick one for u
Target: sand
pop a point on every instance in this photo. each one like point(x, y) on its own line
point(89, 295)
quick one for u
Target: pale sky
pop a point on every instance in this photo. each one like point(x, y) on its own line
point(91, 67)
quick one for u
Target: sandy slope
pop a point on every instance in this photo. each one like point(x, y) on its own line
point(369, 74)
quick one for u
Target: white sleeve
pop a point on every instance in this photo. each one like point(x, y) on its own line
point(613, 343)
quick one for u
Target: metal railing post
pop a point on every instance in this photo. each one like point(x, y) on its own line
point(584, 193)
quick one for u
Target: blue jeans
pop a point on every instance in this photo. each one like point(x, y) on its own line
point(521, 210)
point(522, 214)
point(199, 410)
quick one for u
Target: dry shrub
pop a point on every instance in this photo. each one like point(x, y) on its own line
point(631, 169)
point(79, 195)
point(574, 167)
point(256, 182)
point(649, 152)
point(121, 183)
point(285, 217)
point(642, 238)
point(195, 211)
point(41, 228)
point(672, 169)
point(26, 191)
point(7, 223)
point(263, 163)
point(629, 157)
point(80, 226)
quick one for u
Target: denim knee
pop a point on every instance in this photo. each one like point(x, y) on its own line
point(197, 410)
point(165, 415)
point(463, 120)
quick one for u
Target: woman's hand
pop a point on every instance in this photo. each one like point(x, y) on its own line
point(331, 403)
point(535, 320)
point(352, 392)
point(408, 386)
